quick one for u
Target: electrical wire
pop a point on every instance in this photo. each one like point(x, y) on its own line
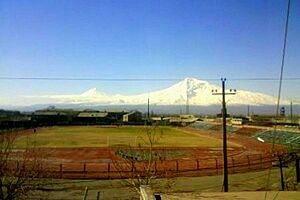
point(280, 83)
point(141, 79)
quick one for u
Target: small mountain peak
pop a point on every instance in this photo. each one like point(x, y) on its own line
point(91, 92)
point(190, 79)
point(193, 80)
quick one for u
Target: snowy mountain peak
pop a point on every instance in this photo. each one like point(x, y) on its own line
point(191, 90)
point(91, 92)
point(193, 80)
point(191, 86)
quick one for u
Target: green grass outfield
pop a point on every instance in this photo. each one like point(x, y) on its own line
point(97, 136)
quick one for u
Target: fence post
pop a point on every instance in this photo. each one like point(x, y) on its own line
point(217, 170)
point(177, 167)
point(84, 169)
point(232, 160)
point(261, 164)
point(197, 164)
point(108, 170)
point(132, 168)
point(39, 171)
point(61, 170)
point(248, 161)
point(42, 171)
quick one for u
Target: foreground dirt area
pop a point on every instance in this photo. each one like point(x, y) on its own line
point(270, 195)
point(208, 187)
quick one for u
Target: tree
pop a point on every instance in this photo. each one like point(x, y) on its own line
point(18, 168)
point(139, 162)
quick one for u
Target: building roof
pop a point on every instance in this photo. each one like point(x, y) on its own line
point(131, 113)
point(156, 118)
point(92, 114)
point(48, 113)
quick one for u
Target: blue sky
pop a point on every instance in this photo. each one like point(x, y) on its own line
point(145, 39)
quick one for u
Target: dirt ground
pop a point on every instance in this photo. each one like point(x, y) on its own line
point(270, 195)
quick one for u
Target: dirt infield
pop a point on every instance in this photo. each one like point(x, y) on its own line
point(98, 162)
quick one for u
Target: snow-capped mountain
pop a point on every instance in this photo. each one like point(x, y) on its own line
point(196, 92)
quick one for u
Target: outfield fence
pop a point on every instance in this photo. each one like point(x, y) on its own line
point(162, 168)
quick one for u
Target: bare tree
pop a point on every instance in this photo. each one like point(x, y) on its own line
point(138, 165)
point(18, 168)
point(143, 164)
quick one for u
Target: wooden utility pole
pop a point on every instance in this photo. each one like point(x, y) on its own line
point(291, 112)
point(298, 169)
point(248, 111)
point(224, 114)
point(148, 113)
point(187, 104)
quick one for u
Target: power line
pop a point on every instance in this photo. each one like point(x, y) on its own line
point(265, 79)
point(142, 79)
point(280, 86)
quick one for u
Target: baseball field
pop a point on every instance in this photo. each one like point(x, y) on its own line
point(97, 136)
point(90, 151)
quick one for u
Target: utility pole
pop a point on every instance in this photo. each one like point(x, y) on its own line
point(187, 98)
point(148, 114)
point(248, 111)
point(291, 112)
point(187, 103)
point(224, 114)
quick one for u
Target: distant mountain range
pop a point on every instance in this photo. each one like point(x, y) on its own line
point(191, 90)
point(171, 100)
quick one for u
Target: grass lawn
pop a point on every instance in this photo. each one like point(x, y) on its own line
point(115, 189)
point(96, 136)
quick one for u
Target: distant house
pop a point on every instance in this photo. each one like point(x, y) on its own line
point(155, 119)
point(14, 119)
point(162, 121)
point(116, 116)
point(50, 117)
point(132, 117)
point(187, 119)
point(262, 120)
point(182, 120)
point(239, 121)
point(108, 117)
point(92, 117)
point(53, 116)
point(92, 114)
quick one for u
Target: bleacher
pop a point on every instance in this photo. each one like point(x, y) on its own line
point(201, 125)
point(213, 127)
point(291, 139)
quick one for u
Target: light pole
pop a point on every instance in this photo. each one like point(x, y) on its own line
point(224, 114)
